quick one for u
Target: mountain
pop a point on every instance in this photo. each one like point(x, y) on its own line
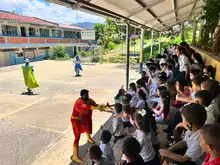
point(85, 25)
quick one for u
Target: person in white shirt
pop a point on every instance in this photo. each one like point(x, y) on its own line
point(142, 120)
point(142, 100)
point(117, 123)
point(142, 86)
point(133, 92)
point(183, 75)
point(188, 150)
point(105, 145)
point(96, 156)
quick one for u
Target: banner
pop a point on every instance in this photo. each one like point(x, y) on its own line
point(88, 34)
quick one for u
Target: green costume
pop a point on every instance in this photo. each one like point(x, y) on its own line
point(29, 77)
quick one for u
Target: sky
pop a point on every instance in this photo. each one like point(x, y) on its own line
point(48, 11)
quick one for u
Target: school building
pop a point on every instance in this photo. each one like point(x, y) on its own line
point(24, 37)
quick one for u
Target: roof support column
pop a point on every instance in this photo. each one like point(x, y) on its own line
point(152, 42)
point(141, 50)
point(0, 29)
point(159, 47)
point(182, 31)
point(200, 29)
point(194, 31)
point(127, 53)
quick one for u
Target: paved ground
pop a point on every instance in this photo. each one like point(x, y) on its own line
point(35, 130)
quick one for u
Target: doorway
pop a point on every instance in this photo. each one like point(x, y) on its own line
point(23, 32)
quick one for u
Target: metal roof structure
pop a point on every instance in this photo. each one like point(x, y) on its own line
point(155, 14)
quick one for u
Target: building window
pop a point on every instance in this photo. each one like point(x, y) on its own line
point(53, 33)
point(32, 32)
point(69, 34)
point(44, 32)
point(78, 35)
point(9, 30)
point(59, 33)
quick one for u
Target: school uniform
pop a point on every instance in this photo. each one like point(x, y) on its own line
point(117, 123)
point(104, 161)
point(141, 105)
point(134, 99)
point(108, 152)
point(194, 151)
point(147, 151)
point(138, 161)
point(183, 61)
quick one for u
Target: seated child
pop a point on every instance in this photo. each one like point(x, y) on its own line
point(120, 95)
point(95, 155)
point(133, 92)
point(141, 86)
point(203, 97)
point(157, 98)
point(210, 143)
point(142, 120)
point(144, 77)
point(163, 109)
point(170, 74)
point(188, 150)
point(164, 68)
point(142, 100)
point(117, 123)
point(162, 80)
point(130, 152)
point(106, 147)
point(196, 86)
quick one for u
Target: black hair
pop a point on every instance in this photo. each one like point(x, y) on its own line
point(205, 97)
point(95, 152)
point(83, 92)
point(198, 58)
point(131, 148)
point(162, 74)
point(128, 96)
point(211, 135)
point(120, 93)
point(143, 122)
point(211, 71)
point(140, 83)
point(170, 67)
point(128, 109)
point(141, 95)
point(133, 87)
point(106, 136)
point(163, 64)
point(184, 44)
point(143, 72)
point(212, 86)
point(165, 95)
point(198, 80)
point(163, 78)
point(194, 113)
point(118, 107)
point(195, 72)
point(161, 88)
point(152, 69)
point(125, 101)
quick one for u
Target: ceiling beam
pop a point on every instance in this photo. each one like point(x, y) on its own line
point(149, 11)
point(174, 7)
point(145, 8)
point(185, 16)
point(171, 11)
point(194, 5)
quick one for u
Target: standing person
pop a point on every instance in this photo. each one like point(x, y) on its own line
point(78, 66)
point(183, 75)
point(81, 120)
point(29, 77)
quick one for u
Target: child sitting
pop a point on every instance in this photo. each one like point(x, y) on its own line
point(133, 92)
point(130, 152)
point(120, 95)
point(157, 98)
point(170, 74)
point(142, 120)
point(105, 145)
point(188, 150)
point(142, 100)
point(163, 109)
point(162, 80)
point(142, 86)
point(203, 97)
point(117, 123)
point(95, 155)
point(210, 143)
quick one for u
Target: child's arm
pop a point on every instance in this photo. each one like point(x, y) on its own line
point(176, 157)
point(160, 111)
point(184, 99)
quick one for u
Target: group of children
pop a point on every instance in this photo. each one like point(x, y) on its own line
point(176, 90)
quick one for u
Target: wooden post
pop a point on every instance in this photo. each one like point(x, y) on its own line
point(182, 31)
point(152, 40)
point(194, 31)
point(141, 50)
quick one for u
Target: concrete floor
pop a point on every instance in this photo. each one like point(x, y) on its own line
point(36, 130)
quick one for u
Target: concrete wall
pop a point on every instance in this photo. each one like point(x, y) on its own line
point(209, 59)
point(5, 59)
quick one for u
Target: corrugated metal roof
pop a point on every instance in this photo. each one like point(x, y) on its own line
point(156, 14)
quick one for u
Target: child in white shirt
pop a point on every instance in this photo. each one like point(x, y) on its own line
point(105, 145)
point(144, 137)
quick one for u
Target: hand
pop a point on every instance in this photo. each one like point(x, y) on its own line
point(165, 162)
point(163, 152)
point(178, 126)
point(177, 86)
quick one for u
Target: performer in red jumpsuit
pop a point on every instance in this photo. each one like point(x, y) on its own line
point(81, 120)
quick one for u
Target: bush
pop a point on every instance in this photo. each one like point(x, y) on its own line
point(59, 51)
point(111, 45)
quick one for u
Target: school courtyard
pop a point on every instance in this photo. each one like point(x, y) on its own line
point(36, 130)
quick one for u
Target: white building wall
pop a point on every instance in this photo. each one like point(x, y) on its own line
point(0, 29)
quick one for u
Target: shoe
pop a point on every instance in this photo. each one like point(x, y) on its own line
point(89, 139)
point(75, 156)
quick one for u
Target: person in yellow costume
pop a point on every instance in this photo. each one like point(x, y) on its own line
point(29, 77)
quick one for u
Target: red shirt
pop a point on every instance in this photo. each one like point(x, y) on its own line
point(213, 162)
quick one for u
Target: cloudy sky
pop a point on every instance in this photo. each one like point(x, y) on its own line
point(45, 10)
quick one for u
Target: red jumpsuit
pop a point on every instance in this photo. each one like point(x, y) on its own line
point(82, 118)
